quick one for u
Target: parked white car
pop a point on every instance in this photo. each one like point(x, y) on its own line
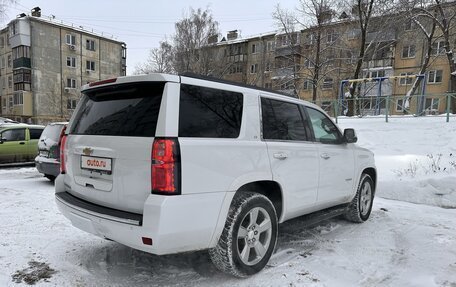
point(168, 164)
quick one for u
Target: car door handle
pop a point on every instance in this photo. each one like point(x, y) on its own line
point(22, 143)
point(280, 155)
point(324, 156)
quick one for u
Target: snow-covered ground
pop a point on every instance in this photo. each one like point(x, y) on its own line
point(410, 239)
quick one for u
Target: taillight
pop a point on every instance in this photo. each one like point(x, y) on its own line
point(166, 166)
point(108, 81)
point(63, 139)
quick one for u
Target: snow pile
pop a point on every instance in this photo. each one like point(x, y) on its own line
point(415, 157)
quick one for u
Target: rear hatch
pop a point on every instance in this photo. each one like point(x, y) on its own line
point(48, 145)
point(109, 144)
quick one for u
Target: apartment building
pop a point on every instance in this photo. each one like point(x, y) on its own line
point(286, 62)
point(44, 63)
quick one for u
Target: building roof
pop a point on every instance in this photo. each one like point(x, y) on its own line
point(59, 23)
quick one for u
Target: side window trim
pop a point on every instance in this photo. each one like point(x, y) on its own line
point(304, 119)
point(307, 124)
point(340, 141)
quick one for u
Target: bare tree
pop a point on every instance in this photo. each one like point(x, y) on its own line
point(4, 6)
point(425, 27)
point(443, 13)
point(191, 51)
point(159, 60)
point(313, 59)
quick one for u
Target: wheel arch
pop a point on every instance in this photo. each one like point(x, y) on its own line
point(373, 174)
point(269, 188)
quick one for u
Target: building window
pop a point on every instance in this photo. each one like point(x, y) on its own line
point(307, 85)
point(9, 61)
point(70, 39)
point(18, 99)
point(405, 81)
point(375, 74)
point(3, 62)
point(254, 48)
point(438, 48)
point(268, 86)
point(353, 34)
point(327, 83)
point(270, 46)
point(124, 52)
point(331, 36)
point(22, 75)
point(432, 104)
point(2, 42)
point(21, 52)
point(90, 45)
point(10, 82)
point(71, 104)
point(400, 105)
point(71, 83)
point(4, 102)
point(408, 51)
point(253, 68)
point(90, 66)
point(435, 76)
point(13, 29)
point(71, 62)
point(308, 63)
point(267, 67)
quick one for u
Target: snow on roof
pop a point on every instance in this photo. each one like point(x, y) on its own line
point(53, 21)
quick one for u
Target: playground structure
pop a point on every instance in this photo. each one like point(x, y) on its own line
point(379, 97)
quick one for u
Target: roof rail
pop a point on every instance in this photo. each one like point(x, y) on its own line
point(222, 81)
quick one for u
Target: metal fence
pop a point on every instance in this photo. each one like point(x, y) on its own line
point(393, 105)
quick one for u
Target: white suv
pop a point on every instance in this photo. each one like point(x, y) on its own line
point(168, 164)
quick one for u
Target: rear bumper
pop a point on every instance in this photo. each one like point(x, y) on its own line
point(47, 165)
point(175, 223)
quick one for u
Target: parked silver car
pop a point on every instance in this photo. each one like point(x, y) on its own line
point(48, 160)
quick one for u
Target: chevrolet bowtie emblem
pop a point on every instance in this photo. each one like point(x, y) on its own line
point(87, 151)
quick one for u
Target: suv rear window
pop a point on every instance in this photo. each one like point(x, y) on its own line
point(209, 113)
point(119, 110)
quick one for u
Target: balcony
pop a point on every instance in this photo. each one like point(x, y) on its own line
point(380, 63)
point(286, 51)
point(22, 63)
point(282, 73)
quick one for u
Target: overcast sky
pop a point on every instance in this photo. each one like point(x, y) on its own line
point(142, 24)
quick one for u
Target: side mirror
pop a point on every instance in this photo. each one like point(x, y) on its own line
point(350, 136)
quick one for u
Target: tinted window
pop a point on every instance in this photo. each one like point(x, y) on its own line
point(14, 135)
point(35, 133)
point(209, 113)
point(282, 121)
point(119, 110)
point(52, 132)
point(325, 130)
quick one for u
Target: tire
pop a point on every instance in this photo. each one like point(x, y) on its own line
point(50, 177)
point(249, 237)
point(360, 208)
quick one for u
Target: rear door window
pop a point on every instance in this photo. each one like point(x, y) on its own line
point(209, 113)
point(282, 121)
point(35, 133)
point(119, 110)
